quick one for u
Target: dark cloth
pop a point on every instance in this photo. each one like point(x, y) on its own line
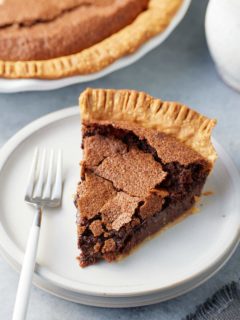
point(224, 305)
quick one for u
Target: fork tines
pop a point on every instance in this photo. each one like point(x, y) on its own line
point(45, 179)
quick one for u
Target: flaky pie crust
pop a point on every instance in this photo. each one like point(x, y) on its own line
point(149, 23)
point(185, 124)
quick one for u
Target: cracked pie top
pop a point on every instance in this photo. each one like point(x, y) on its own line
point(58, 38)
point(144, 163)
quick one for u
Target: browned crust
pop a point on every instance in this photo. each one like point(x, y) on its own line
point(185, 124)
point(149, 23)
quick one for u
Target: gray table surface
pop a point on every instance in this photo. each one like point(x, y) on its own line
point(180, 69)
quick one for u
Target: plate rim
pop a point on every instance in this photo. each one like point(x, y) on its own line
point(46, 120)
point(21, 85)
point(113, 302)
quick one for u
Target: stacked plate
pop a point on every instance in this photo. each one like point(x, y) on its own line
point(172, 263)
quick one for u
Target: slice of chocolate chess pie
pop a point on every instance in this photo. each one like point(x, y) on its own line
point(145, 161)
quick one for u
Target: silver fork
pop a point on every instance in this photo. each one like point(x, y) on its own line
point(41, 192)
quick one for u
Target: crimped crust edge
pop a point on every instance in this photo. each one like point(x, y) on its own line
point(178, 120)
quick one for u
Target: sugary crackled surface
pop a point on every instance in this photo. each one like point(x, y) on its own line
point(97, 188)
point(119, 181)
point(95, 57)
point(134, 172)
point(97, 148)
point(42, 30)
point(119, 210)
point(130, 107)
point(152, 204)
point(29, 12)
point(168, 148)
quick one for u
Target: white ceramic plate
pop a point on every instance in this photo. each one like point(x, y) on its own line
point(172, 263)
point(18, 85)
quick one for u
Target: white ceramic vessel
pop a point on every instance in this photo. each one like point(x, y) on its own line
point(222, 26)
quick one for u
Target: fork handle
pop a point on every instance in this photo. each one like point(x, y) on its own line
point(25, 281)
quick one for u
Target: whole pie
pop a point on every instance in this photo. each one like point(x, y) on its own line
point(145, 162)
point(58, 38)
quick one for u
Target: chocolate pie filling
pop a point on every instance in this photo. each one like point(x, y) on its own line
point(40, 30)
point(134, 182)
